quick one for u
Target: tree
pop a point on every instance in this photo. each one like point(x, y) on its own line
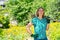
point(22, 10)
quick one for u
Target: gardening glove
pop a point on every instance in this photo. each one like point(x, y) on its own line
point(34, 35)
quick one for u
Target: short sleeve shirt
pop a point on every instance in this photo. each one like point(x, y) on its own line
point(40, 26)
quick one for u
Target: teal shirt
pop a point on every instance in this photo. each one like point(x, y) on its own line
point(40, 26)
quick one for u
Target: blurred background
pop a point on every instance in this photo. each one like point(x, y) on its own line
point(16, 14)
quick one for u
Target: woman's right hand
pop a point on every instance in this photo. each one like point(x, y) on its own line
point(34, 35)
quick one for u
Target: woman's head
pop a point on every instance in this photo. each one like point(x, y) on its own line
point(40, 12)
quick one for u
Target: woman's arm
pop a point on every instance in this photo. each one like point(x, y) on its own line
point(48, 32)
point(28, 28)
point(48, 27)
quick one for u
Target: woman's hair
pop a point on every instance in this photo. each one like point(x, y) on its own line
point(37, 14)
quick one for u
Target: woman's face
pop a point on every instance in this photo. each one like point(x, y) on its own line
point(41, 12)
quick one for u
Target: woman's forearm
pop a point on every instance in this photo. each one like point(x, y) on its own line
point(48, 27)
point(28, 30)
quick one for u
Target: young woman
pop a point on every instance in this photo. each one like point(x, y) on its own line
point(41, 24)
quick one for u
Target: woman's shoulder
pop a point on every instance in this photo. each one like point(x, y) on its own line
point(34, 18)
point(47, 19)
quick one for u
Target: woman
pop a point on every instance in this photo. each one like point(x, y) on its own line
point(40, 23)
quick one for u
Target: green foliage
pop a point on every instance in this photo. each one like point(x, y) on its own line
point(1, 31)
point(4, 19)
point(22, 10)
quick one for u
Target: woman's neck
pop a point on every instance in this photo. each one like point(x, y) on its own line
point(40, 17)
